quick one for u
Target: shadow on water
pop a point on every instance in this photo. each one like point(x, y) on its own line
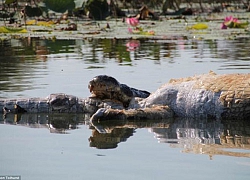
point(230, 138)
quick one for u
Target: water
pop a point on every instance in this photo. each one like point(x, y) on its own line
point(68, 147)
point(37, 67)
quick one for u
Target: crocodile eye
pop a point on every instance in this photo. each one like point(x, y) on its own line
point(91, 88)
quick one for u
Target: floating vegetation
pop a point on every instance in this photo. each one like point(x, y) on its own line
point(140, 31)
point(59, 5)
point(198, 26)
point(232, 22)
point(40, 23)
point(4, 29)
point(132, 28)
point(95, 67)
point(134, 22)
point(41, 30)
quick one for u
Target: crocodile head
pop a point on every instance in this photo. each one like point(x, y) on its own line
point(103, 86)
point(107, 87)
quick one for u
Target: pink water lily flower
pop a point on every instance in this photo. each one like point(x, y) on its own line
point(132, 21)
point(223, 26)
point(231, 22)
point(232, 19)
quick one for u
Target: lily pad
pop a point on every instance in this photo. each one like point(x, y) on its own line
point(99, 9)
point(40, 23)
point(60, 6)
point(236, 25)
point(94, 67)
point(198, 26)
point(9, 1)
point(4, 29)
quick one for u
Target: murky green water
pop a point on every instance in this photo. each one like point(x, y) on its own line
point(55, 146)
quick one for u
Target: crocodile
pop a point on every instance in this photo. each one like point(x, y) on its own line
point(214, 96)
point(106, 91)
point(204, 96)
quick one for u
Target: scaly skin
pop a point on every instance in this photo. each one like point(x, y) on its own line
point(106, 87)
point(106, 91)
point(204, 96)
point(208, 95)
point(56, 103)
point(152, 113)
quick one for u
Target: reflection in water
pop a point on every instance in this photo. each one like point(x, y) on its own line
point(110, 140)
point(56, 122)
point(132, 45)
point(102, 50)
point(22, 61)
point(193, 136)
point(204, 137)
point(108, 134)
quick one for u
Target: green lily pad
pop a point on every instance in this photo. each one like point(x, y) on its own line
point(60, 6)
point(9, 1)
point(4, 29)
point(198, 26)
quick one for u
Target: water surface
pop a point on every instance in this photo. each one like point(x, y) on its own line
point(37, 67)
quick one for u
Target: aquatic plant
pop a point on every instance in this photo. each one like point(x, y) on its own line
point(40, 23)
point(137, 30)
point(132, 21)
point(97, 9)
point(198, 26)
point(4, 29)
point(60, 6)
point(231, 22)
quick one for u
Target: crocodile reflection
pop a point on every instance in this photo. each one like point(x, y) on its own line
point(190, 135)
point(55, 122)
point(110, 140)
point(230, 138)
point(109, 134)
